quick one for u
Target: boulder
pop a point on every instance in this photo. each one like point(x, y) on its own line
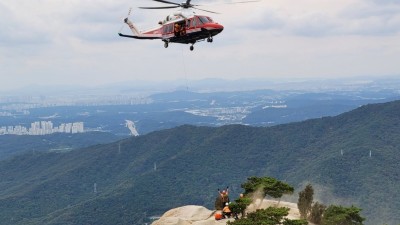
point(189, 215)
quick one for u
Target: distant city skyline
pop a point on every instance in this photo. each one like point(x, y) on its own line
point(76, 42)
point(43, 128)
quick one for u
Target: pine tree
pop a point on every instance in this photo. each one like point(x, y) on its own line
point(269, 186)
point(305, 201)
point(317, 211)
point(335, 215)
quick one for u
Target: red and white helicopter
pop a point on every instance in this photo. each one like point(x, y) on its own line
point(183, 26)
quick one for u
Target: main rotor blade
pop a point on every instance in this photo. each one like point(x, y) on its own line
point(161, 7)
point(205, 10)
point(251, 1)
point(168, 2)
point(231, 3)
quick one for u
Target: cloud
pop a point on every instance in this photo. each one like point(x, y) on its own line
point(16, 30)
point(390, 2)
point(45, 21)
point(372, 18)
point(323, 18)
point(362, 17)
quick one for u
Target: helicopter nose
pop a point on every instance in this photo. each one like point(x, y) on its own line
point(212, 28)
point(220, 27)
point(217, 26)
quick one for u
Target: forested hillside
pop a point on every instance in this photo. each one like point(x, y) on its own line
point(352, 158)
point(17, 144)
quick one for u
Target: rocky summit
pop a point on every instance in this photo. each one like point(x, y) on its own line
point(199, 215)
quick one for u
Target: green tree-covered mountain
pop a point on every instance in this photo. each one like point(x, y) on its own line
point(127, 181)
point(17, 144)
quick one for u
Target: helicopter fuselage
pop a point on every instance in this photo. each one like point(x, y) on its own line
point(179, 29)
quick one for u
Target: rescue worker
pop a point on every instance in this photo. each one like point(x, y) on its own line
point(183, 30)
point(225, 196)
point(226, 211)
point(177, 30)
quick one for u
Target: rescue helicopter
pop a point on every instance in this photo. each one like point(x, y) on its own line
point(183, 26)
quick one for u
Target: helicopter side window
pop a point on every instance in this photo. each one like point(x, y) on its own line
point(165, 29)
point(170, 28)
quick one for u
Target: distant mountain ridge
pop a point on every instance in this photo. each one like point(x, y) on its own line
point(127, 181)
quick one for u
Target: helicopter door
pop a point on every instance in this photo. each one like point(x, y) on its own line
point(179, 29)
point(194, 22)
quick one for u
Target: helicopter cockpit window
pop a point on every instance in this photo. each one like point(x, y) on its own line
point(204, 19)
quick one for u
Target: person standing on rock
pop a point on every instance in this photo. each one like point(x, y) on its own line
point(222, 199)
point(224, 196)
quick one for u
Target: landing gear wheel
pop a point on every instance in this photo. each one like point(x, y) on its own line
point(191, 48)
point(210, 39)
point(165, 44)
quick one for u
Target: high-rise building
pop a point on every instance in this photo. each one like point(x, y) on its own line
point(68, 127)
point(77, 128)
point(3, 130)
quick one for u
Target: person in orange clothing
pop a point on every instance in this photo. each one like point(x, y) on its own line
point(226, 211)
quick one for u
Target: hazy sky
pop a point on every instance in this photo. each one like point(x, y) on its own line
point(50, 42)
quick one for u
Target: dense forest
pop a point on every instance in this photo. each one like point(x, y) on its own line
point(12, 145)
point(350, 159)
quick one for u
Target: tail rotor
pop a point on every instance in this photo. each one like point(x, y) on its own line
point(125, 19)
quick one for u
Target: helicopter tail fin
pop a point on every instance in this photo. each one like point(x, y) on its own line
point(132, 26)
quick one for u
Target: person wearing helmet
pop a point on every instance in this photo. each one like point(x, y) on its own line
point(226, 211)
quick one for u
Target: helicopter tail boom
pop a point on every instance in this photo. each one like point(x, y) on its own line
point(136, 32)
point(139, 37)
